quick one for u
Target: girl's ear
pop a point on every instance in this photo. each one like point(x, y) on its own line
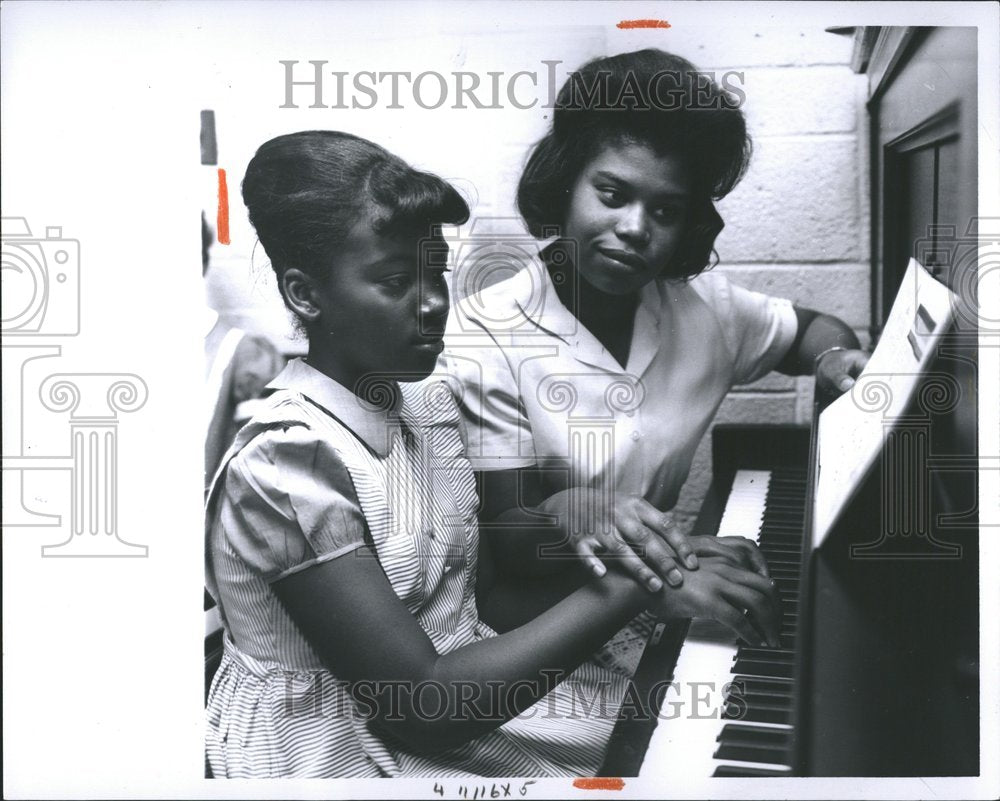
point(300, 295)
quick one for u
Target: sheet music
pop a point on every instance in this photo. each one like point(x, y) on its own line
point(852, 429)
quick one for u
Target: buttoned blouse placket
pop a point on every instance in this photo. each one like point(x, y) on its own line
point(586, 349)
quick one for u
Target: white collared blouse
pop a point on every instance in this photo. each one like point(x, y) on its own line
point(535, 387)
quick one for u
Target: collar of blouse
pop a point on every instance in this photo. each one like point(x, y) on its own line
point(536, 297)
point(374, 425)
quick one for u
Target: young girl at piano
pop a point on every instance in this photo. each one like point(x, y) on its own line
point(343, 545)
point(587, 379)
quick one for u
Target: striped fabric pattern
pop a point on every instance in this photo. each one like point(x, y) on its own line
point(274, 710)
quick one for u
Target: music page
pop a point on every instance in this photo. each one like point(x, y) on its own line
point(851, 430)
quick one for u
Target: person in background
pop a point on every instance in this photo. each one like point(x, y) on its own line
point(238, 366)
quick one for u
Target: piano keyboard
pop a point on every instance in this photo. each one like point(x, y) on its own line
point(729, 711)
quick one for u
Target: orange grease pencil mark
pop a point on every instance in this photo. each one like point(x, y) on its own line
point(223, 216)
point(628, 24)
point(599, 783)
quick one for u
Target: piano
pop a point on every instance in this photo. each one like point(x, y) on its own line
point(878, 670)
point(877, 673)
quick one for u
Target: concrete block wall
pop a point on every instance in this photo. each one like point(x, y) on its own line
point(797, 226)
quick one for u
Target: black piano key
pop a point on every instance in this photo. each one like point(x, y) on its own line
point(781, 528)
point(786, 539)
point(779, 550)
point(749, 734)
point(775, 700)
point(791, 482)
point(757, 711)
point(758, 667)
point(769, 755)
point(769, 654)
point(780, 571)
point(756, 714)
point(754, 684)
point(785, 504)
point(792, 521)
point(786, 531)
point(783, 561)
point(737, 771)
point(762, 701)
point(745, 713)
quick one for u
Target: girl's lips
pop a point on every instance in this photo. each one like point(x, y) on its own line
point(632, 260)
point(430, 343)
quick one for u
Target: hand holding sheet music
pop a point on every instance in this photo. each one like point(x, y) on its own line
point(852, 429)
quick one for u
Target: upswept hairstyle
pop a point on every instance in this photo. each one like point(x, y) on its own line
point(305, 191)
point(650, 97)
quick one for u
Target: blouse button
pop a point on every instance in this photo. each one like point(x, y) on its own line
point(429, 532)
point(635, 436)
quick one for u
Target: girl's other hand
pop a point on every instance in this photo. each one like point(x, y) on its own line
point(738, 551)
point(740, 599)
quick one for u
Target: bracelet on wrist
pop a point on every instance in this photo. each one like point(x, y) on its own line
point(824, 353)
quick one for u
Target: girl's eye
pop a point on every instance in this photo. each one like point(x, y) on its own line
point(668, 214)
point(396, 282)
point(610, 195)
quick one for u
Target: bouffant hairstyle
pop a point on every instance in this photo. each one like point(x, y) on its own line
point(305, 191)
point(648, 97)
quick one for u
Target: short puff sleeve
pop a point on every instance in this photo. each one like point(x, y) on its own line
point(759, 328)
point(289, 503)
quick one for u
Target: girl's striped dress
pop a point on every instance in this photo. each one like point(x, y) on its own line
point(316, 476)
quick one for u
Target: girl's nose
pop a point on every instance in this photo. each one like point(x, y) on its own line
point(632, 224)
point(434, 302)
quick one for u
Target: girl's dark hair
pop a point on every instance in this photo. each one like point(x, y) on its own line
point(305, 191)
point(654, 98)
